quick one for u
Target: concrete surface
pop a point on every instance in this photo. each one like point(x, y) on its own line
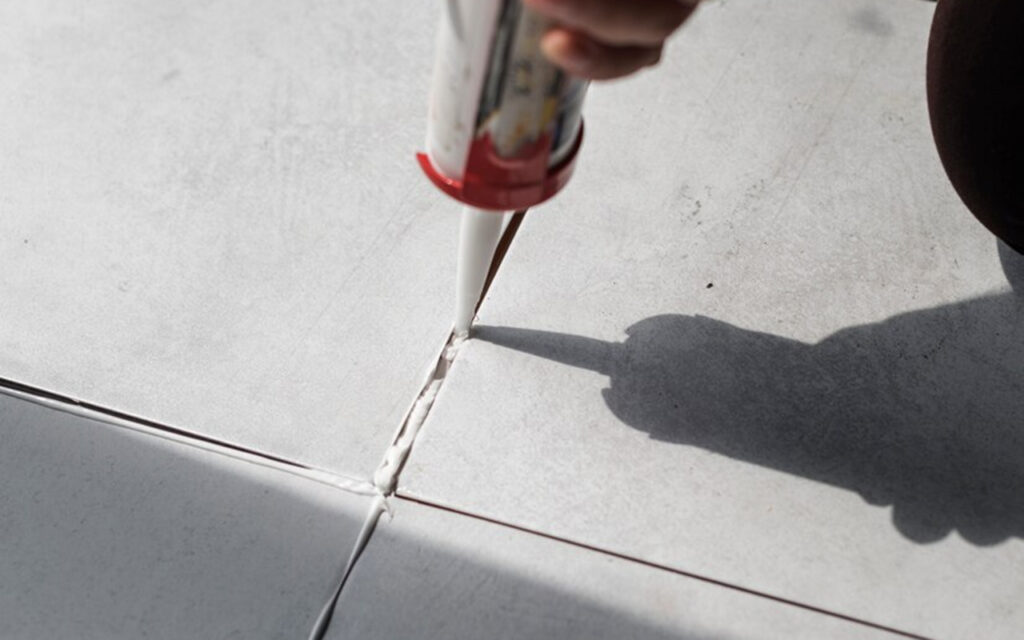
point(106, 533)
point(758, 338)
point(429, 574)
point(209, 211)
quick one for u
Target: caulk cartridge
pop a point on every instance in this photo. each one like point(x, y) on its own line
point(505, 124)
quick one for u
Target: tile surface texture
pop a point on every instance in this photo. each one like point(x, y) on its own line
point(758, 338)
point(210, 216)
point(429, 574)
point(107, 533)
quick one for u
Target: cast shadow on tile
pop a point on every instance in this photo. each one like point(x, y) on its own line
point(456, 598)
point(430, 574)
point(924, 411)
point(107, 533)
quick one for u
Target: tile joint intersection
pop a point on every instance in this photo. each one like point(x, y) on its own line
point(385, 477)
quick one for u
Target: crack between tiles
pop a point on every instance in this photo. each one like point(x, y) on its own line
point(121, 420)
point(655, 565)
point(385, 478)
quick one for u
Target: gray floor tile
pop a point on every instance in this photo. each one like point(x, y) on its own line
point(430, 574)
point(106, 533)
point(759, 338)
point(211, 216)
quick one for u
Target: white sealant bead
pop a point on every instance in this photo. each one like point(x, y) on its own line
point(386, 476)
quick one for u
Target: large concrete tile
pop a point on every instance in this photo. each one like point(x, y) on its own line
point(759, 338)
point(210, 215)
point(107, 533)
point(430, 574)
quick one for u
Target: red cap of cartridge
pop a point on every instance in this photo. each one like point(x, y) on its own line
point(506, 184)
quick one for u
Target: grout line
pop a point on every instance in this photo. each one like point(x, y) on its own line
point(385, 478)
point(655, 565)
point(122, 420)
point(323, 620)
point(386, 475)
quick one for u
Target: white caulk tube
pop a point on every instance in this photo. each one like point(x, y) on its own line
point(504, 127)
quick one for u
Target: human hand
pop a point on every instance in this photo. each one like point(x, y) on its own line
point(604, 39)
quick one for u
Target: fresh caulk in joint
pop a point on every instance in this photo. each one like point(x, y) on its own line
point(484, 239)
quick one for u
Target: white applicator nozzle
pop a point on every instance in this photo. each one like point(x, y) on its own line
point(479, 233)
